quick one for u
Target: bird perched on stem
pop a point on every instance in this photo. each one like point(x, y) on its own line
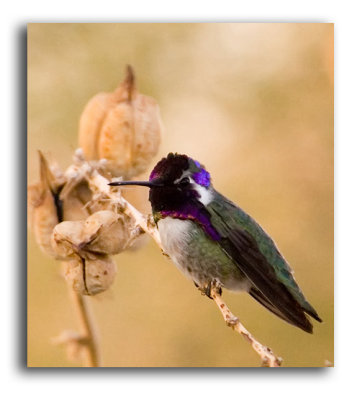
point(214, 242)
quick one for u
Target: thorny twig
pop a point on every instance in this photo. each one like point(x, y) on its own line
point(99, 185)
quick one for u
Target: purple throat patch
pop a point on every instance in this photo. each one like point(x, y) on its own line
point(196, 215)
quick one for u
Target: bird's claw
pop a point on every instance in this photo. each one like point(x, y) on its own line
point(210, 288)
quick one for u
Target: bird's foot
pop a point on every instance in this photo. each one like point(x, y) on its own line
point(210, 288)
point(214, 287)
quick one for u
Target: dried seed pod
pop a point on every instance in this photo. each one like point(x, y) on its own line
point(91, 122)
point(74, 202)
point(90, 277)
point(44, 220)
point(51, 176)
point(106, 232)
point(45, 209)
point(67, 239)
point(123, 127)
point(73, 209)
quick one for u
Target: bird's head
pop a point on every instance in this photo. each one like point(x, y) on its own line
point(176, 183)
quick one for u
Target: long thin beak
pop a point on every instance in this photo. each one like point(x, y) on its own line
point(137, 183)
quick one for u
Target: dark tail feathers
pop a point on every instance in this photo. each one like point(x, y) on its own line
point(298, 319)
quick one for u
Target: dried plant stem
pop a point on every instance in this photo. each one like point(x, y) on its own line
point(88, 337)
point(269, 359)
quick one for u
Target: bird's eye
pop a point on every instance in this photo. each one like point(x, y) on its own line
point(184, 181)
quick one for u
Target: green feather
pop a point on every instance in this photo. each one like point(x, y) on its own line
point(226, 216)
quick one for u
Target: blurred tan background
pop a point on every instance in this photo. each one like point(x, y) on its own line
point(254, 104)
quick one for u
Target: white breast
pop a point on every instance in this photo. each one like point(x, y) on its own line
point(174, 233)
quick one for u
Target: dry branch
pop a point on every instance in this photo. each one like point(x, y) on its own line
point(89, 342)
point(269, 359)
point(82, 344)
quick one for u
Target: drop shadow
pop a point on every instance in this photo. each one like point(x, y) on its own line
point(21, 194)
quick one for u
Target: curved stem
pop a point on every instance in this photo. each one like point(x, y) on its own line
point(89, 341)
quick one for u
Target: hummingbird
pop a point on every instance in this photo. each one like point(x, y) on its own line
point(215, 243)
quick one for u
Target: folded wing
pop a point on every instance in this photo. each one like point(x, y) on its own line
point(257, 256)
